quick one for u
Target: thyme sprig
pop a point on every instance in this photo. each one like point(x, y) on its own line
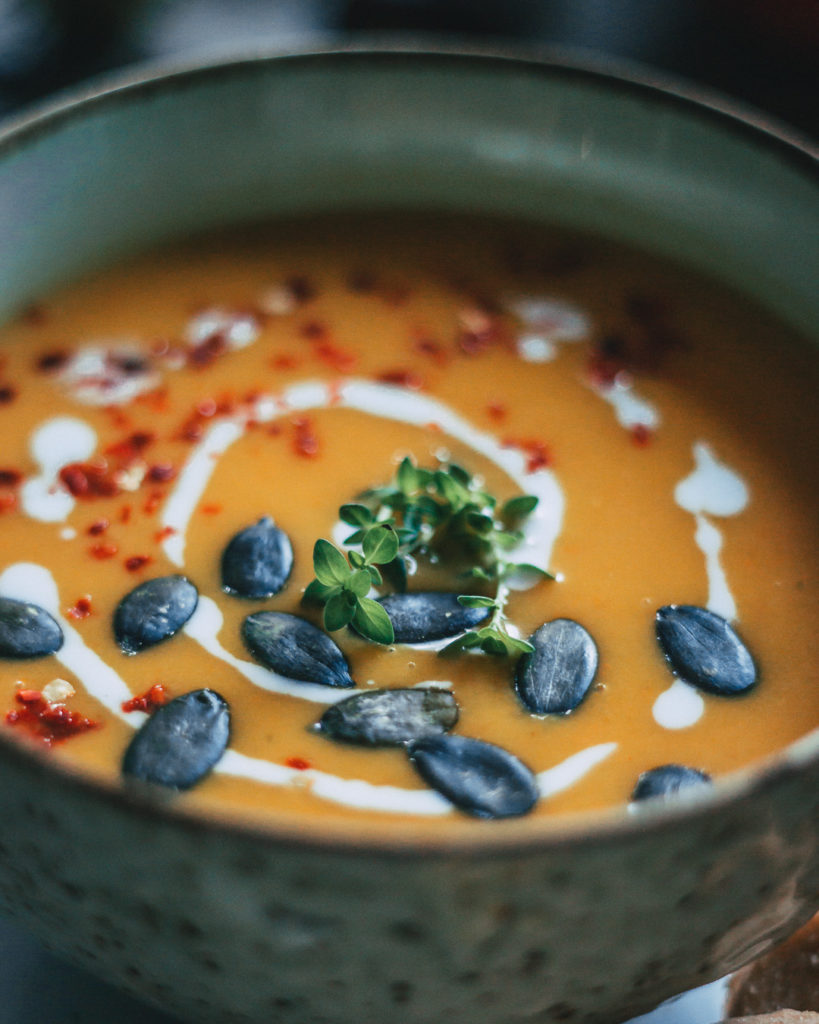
point(444, 514)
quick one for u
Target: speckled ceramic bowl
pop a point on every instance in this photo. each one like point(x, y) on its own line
point(589, 920)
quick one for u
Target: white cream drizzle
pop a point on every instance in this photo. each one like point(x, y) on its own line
point(567, 773)
point(678, 707)
point(717, 490)
point(56, 443)
point(27, 581)
point(711, 489)
point(110, 373)
point(542, 527)
point(204, 626)
point(631, 409)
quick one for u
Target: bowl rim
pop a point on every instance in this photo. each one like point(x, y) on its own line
point(461, 836)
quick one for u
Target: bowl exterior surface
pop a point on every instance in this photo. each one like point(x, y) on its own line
point(224, 925)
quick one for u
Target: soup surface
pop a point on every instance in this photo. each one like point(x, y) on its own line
point(668, 429)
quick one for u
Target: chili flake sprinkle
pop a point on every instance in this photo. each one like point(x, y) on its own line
point(154, 697)
point(47, 722)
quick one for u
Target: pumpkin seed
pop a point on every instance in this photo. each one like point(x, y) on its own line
point(295, 648)
point(390, 718)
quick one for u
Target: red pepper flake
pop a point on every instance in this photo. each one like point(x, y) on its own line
point(206, 352)
point(125, 514)
point(137, 562)
point(10, 477)
point(401, 379)
point(313, 329)
point(81, 609)
point(299, 764)
point(48, 723)
point(305, 442)
point(7, 394)
point(88, 479)
point(160, 473)
point(274, 430)
point(8, 501)
point(284, 362)
point(336, 358)
point(132, 446)
point(154, 697)
point(641, 435)
point(152, 502)
point(431, 348)
point(164, 533)
point(536, 451)
point(98, 527)
point(50, 362)
point(496, 411)
point(103, 551)
point(434, 427)
point(210, 510)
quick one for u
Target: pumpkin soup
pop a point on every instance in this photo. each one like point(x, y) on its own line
point(409, 517)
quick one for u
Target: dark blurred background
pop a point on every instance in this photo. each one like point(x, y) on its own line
point(763, 52)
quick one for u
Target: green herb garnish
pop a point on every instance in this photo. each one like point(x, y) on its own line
point(443, 514)
point(342, 584)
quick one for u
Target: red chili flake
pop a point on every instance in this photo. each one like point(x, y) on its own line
point(8, 501)
point(164, 533)
point(641, 435)
point(274, 429)
point(206, 407)
point(81, 609)
point(431, 348)
point(210, 510)
point(496, 410)
point(98, 527)
point(131, 446)
point(536, 451)
point(28, 696)
point(156, 399)
point(301, 288)
point(208, 350)
point(49, 362)
point(336, 358)
point(305, 442)
point(160, 473)
point(192, 429)
point(118, 417)
point(313, 330)
point(137, 562)
point(285, 362)
point(154, 697)
point(125, 513)
point(48, 723)
point(7, 394)
point(300, 764)
point(103, 551)
point(434, 427)
point(10, 477)
point(401, 379)
point(88, 479)
point(152, 502)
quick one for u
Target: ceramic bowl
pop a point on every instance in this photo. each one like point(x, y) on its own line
point(588, 920)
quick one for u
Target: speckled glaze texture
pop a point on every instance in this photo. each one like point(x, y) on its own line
point(590, 924)
point(226, 927)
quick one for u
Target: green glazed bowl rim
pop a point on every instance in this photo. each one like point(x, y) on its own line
point(464, 837)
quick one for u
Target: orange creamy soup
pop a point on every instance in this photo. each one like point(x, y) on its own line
point(667, 428)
